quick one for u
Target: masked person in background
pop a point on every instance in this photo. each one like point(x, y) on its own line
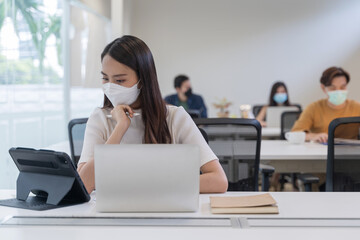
point(135, 113)
point(315, 119)
point(185, 97)
point(279, 96)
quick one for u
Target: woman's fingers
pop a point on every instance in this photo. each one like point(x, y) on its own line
point(122, 112)
point(129, 110)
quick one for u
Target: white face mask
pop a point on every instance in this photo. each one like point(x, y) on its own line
point(337, 97)
point(119, 95)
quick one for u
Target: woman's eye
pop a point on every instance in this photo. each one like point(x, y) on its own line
point(120, 81)
point(105, 79)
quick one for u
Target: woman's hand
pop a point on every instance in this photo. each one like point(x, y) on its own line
point(317, 137)
point(87, 174)
point(122, 123)
point(262, 123)
point(119, 115)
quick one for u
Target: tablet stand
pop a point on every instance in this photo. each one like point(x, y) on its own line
point(54, 185)
point(50, 175)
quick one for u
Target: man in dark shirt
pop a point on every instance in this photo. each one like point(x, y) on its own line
point(186, 98)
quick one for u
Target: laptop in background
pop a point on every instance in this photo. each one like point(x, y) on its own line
point(273, 115)
point(147, 177)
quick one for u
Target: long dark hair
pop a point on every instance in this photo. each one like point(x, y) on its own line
point(134, 53)
point(273, 92)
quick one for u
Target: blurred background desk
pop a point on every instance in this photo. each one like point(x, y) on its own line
point(226, 131)
point(285, 157)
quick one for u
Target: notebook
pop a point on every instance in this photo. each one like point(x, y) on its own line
point(258, 204)
point(344, 141)
point(147, 177)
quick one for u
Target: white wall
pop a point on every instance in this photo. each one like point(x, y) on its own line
point(237, 49)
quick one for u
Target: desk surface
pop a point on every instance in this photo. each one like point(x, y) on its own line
point(220, 131)
point(291, 205)
point(284, 156)
point(282, 149)
point(271, 149)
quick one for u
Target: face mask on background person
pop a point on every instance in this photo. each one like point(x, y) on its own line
point(337, 97)
point(188, 93)
point(280, 98)
point(119, 95)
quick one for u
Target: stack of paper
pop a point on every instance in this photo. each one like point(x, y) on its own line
point(343, 141)
point(260, 204)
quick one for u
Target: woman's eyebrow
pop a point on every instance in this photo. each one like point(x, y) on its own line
point(119, 75)
point(116, 75)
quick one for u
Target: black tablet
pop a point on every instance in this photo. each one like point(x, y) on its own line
point(50, 175)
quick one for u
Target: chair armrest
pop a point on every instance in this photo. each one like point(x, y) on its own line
point(308, 178)
point(266, 169)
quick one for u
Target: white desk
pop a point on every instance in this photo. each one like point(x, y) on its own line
point(286, 157)
point(292, 205)
point(226, 131)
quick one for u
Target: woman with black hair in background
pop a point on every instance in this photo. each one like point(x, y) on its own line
point(278, 97)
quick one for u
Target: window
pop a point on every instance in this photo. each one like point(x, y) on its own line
point(34, 109)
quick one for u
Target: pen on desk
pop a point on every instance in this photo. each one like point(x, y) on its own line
point(134, 114)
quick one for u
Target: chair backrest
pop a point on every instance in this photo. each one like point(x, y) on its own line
point(76, 130)
point(287, 121)
point(236, 142)
point(204, 134)
point(297, 105)
point(343, 160)
point(256, 109)
point(194, 113)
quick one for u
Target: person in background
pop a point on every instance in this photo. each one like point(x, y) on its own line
point(278, 97)
point(139, 115)
point(315, 119)
point(185, 97)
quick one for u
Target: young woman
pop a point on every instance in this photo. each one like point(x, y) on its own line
point(139, 115)
point(278, 97)
point(317, 116)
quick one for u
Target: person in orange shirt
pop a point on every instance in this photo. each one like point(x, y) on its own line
point(317, 116)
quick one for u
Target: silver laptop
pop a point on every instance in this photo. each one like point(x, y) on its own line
point(147, 177)
point(273, 115)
